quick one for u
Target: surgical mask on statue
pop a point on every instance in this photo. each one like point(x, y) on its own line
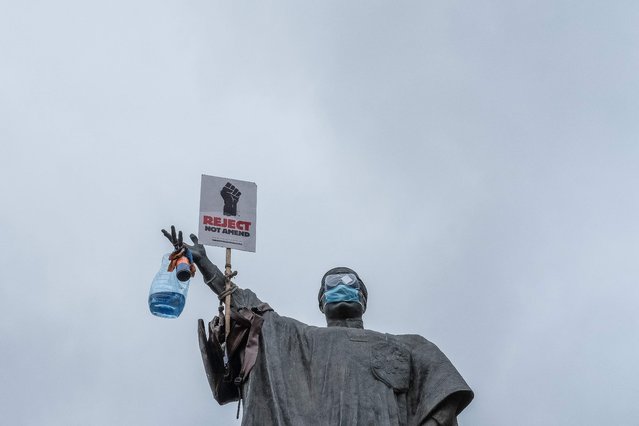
point(342, 293)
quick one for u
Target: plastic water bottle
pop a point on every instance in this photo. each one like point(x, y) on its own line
point(168, 294)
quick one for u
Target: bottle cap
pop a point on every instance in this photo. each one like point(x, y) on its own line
point(183, 272)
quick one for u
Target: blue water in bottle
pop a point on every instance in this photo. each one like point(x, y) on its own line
point(168, 294)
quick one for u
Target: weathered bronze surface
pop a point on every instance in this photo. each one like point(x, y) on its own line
point(342, 374)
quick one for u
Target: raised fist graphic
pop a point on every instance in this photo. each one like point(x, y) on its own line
point(230, 194)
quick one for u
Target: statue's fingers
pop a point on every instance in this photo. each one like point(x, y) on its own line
point(180, 239)
point(194, 239)
point(173, 237)
point(167, 235)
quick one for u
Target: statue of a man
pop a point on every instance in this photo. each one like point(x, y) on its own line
point(342, 374)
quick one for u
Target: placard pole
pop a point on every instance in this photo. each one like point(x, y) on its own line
point(227, 300)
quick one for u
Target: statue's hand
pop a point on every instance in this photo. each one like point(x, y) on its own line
point(175, 240)
point(213, 277)
point(197, 249)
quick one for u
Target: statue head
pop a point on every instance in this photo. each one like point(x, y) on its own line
point(342, 294)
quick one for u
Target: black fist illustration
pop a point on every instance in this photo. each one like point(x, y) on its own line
point(231, 195)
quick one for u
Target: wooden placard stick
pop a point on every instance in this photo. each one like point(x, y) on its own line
point(227, 300)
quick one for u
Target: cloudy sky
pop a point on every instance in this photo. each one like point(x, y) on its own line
point(475, 161)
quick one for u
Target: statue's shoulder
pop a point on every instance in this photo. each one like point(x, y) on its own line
point(414, 340)
point(420, 347)
point(291, 321)
point(290, 325)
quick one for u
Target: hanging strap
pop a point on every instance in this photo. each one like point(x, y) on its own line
point(247, 325)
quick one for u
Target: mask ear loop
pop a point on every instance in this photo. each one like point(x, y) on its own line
point(321, 301)
point(363, 299)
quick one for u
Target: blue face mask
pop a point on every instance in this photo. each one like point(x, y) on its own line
point(342, 293)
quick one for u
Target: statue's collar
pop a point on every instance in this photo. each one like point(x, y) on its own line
point(347, 322)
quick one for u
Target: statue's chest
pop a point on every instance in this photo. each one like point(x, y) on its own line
point(354, 357)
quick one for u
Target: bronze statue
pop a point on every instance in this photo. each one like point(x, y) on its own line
point(289, 373)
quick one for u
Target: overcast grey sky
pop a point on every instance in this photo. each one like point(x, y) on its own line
point(474, 161)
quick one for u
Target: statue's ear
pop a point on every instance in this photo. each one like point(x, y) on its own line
point(321, 306)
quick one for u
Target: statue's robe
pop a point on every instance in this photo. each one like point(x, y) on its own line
point(306, 375)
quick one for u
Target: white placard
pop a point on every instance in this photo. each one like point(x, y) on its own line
point(228, 209)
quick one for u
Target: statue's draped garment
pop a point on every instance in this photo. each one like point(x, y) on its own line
point(306, 375)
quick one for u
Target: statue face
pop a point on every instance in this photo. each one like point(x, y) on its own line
point(343, 310)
